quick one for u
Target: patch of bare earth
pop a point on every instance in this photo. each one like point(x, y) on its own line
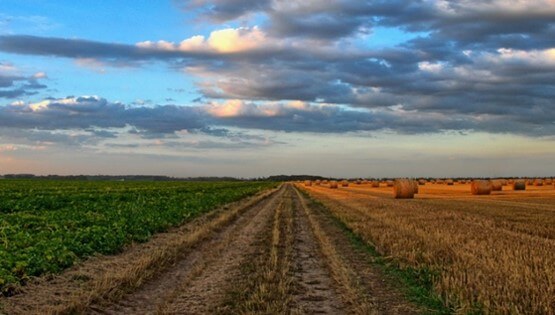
point(316, 290)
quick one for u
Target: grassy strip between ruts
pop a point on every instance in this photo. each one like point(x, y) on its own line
point(265, 286)
point(416, 284)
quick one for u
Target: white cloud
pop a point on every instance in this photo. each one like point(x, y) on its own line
point(229, 40)
point(430, 67)
point(535, 57)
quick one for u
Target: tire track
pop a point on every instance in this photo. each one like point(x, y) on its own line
point(362, 286)
point(316, 290)
point(194, 285)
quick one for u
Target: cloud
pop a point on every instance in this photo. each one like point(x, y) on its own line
point(225, 10)
point(465, 65)
point(229, 40)
point(87, 112)
point(14, 85)
point(92, 121)
point(321, 118)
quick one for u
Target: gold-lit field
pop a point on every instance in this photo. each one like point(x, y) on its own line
point(493, 252)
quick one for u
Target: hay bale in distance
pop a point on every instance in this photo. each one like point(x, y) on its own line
point(480, 187)
point(496, 185)
point(333, 184)
point(519, 185)
point(403, 189)
point(415, 186)
point(449, 182)
point(422, 182)
point(375, 184)
point(538, 182)
point(307, 183)
point(389, 183)
point(345, 183)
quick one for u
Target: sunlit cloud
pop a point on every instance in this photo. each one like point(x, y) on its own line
point(230, 40)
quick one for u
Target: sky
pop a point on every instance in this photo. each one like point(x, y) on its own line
point(341, 88)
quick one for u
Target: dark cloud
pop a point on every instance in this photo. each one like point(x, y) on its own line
point(225, 10)
point(14, 86)
point(79, 121)
point(88, 112)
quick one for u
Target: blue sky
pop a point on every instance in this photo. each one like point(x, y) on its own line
point(236, 88)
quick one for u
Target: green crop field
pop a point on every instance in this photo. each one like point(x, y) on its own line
point(46, 226)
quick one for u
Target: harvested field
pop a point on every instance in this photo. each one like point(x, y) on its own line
point(490, 253)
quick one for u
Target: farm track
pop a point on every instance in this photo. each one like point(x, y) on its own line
point(276, 253)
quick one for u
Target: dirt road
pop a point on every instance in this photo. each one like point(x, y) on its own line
point(278, 253)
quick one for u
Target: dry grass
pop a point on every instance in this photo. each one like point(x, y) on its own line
point(267, 285)
point(493, 252)
point(351, 292)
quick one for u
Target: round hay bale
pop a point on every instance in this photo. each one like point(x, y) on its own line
point(449, 182)
point(375, 183)
point(415, 186)
point(480, 187)
point(307, 183)
point(422, 182)
point(403, 189)
point(358, 182)
point(333, 184)
point(548, 181)
point(317, 182)
point(344, 183)
point(496, 185)
point(538, 182)
point(519, 184)
point(389, 183)
point(530, 182)
point(364, 182)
